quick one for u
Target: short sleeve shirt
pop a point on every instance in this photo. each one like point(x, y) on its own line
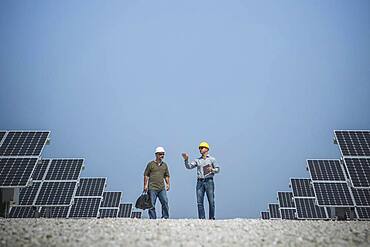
point(156, 174)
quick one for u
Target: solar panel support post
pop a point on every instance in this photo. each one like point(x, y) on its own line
point(9, 196)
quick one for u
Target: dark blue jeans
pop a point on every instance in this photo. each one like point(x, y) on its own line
point(206, 186)
point(162, 195)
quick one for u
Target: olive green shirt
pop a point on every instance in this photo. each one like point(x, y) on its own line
point(156, 174)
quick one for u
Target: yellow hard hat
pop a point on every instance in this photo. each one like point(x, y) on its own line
point(204, 145)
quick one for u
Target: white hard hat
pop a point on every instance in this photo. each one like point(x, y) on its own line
point(159, 150)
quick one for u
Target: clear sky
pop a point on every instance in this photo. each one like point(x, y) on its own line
point(264, 82)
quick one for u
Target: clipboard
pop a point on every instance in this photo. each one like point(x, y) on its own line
point(205, 170)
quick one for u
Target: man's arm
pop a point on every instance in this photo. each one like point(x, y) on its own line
point(146, 181)
point(167, 179)
point(189, 165)
point(146, 177)
point(216, 168)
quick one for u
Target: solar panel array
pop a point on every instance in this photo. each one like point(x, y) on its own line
point(274, 211)
point(337, 188)
point(109, 206)
point(305, 201)
point(353, 143)
point(23, 143)
point(54, 212)
point(265, 215)
point(136, 215)
point(88, 198)
point(108, 212)
point(125, 210)
point(16, 172)
point(286, 205)
point(51, 188)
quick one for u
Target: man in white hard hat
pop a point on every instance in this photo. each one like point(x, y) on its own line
point(206, 168)
point(156, 171)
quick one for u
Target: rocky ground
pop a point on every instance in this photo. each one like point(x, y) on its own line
point(181, 232)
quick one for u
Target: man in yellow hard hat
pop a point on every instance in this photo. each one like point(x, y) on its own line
point(206, 168)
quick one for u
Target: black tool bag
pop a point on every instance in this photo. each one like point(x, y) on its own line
point(143, 202)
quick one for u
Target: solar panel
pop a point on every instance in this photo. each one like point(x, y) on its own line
point(22, 212)
point(54, 212)
point(285, 199)
point(265, 215)
point(64, 169)
point(16, 172)
point(56, 193)
point(91, 187)
point(40, 170)
point(332, 194)
point(85, 207)
point(274, 211)
point(287, 213)
point(302, 187)
point(326, 170)
point(24, 143)
point(363, 212)
point(353, 143)
point(27, 194)
point(125, 210)
point(111, 199)
point(108, 212)
point(2, 134)
point(136, 215)
point(306, 209)
point(361, 196)
point(359, 171)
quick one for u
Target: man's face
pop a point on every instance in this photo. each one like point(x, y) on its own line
point(203, 150)
point(159, 156)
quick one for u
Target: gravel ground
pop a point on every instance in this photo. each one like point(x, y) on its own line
point(181, 232)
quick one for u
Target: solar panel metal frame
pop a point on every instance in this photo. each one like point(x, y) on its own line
point(307, 208)
point(308, 197)
point(25, 193)
point(340, 148)
point(361, 197)
point(2, 134)
point(335, 182)
point(88, 197)
point(25, 131)
point(352, 176)
point(64, 159)
point(25, 211)
point(136, 215)
point(297, 193)
point(37, 200)
point(272, 214)
point(104, 210)
point(78, 215)
point(104, 186)
point(265, 215)
point(326, 180)
point(327, 184)
point(53, 214)
point(44, 174)
point(44, 180)
point(126, 208)
point(363, 213)
point(281, 204)
point(288, 213)
point(29, 179)
point(119, 199)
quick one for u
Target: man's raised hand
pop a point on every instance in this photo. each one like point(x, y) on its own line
point(185, 156)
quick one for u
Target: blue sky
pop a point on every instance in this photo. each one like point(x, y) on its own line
point(264, 82)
